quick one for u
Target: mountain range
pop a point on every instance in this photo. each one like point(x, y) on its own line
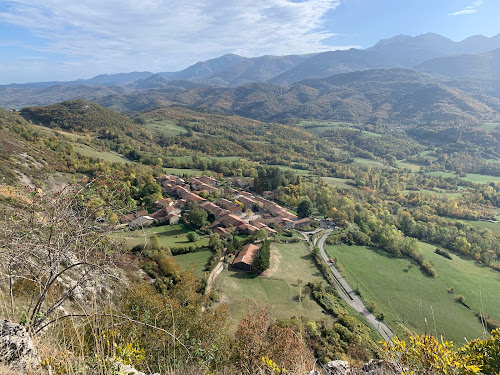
point(426, 78)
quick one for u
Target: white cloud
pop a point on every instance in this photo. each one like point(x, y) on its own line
point(159, 35)
point(471, 9)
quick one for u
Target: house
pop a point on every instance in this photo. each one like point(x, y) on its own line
point(248, 203)
point(298, 224)
point(231, 220)
point(228, 205)
point(173, 218)
point(141, 222)
point(245, 257)
point(220, 231)
point(208, 180)
point(165, 202)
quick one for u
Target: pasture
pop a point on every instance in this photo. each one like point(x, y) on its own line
point(279, 286)
point(196, 260)
point(407, 296)
point(168, 235)
point(104, 155)
point(165, 127)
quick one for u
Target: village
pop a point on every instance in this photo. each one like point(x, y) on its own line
point(230, 206)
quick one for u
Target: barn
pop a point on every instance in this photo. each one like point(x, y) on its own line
point(245, 257)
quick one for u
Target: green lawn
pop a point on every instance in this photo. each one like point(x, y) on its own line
point(280, 289)
point(104, 155)
point(166, 128)
point(423, 303)
point(197, 260)
point(169, 235)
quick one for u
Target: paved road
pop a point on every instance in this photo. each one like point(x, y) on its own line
point(347, 293)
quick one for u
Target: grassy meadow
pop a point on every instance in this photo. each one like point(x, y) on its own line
point(104, 155)
point(196, 260)
point(405, 295)
point(168, 235)
point(278, 286)
point(167, 128)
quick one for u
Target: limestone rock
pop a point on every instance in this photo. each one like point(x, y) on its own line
point(128, 370)
point(17, 350)
point(337, 367)
point(381, 368)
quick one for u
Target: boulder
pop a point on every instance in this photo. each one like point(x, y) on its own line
point(17, 350)
point(337, 367)
point(381, 367)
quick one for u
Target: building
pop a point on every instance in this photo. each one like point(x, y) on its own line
point(141, 222)
point(208, 180)
point(245, 257)
point(299, 224)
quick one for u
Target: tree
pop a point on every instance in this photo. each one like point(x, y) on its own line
point(304, 209)
point(262, 260)
point(197, 217)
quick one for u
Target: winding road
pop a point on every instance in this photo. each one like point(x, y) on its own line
point(346, 291)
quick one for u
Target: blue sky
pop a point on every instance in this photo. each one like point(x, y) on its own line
point(44, 40)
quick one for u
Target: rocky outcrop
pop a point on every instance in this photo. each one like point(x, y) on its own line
point(373, 367)
point(17, 351)
point(128, 370)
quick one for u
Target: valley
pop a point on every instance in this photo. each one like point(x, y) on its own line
point(203, 197)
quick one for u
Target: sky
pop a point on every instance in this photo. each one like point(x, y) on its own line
point(49, 40)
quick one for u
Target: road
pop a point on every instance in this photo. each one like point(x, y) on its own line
point(347, 293)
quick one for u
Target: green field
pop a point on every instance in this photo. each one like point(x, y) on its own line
point(442, 174)
point(323, 126)
point(494, 227)
point(220, 158)
point(104, 155)
point(198, 260)
point(165, 127)
point(471, 177)
point(439, 193)
point(408, 165)
point(279, 289)
point(301, 172)
point(489, 126)
point(169, 235)
point(423, 303)
point(338, 182)
point(360, 162)
point(481, 178)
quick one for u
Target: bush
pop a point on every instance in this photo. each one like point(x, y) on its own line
point(192, 236)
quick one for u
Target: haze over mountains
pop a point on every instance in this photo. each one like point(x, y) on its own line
point(427, 78)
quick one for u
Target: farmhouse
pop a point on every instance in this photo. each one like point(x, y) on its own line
point(245, 257)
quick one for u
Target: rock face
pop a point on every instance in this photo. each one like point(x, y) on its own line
point(17, 351)
point(371, 368)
